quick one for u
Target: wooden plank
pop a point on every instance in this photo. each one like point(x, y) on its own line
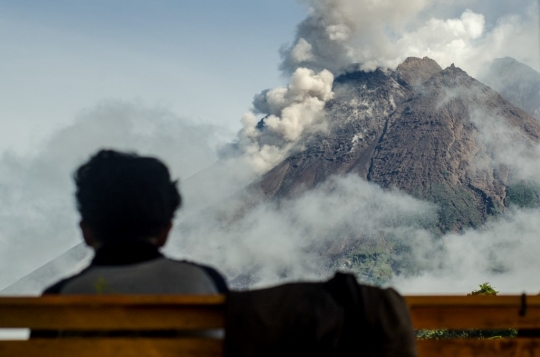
point(478, 317)
point(132, 312)
point(113, 347)
point(486, 312)
point(111, 317)
point(123, 300)
point(515, 347)
point(126, 312)
point(477, 300)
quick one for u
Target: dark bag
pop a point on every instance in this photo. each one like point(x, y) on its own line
point(336, 318)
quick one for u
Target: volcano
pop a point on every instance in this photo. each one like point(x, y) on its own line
point(418, 129)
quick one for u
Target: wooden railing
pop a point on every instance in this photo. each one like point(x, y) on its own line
point(113, 313)
point(135, 313)
point(476, 312)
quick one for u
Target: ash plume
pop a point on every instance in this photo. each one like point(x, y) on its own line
point(288, 114)
point(338, 35)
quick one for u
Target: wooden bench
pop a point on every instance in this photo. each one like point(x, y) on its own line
point(136, 313)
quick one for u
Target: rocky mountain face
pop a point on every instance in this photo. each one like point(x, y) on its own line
point(416, 129)
point(516, 82)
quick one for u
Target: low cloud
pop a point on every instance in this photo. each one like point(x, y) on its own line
point(504, 253)
point(301, 238)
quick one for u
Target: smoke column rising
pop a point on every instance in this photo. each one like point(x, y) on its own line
point(338, 35)
point(289, 113)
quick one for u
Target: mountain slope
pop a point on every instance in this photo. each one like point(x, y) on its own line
point(416, 129)
point(516, 82)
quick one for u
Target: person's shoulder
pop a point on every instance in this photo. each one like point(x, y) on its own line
point(216, 277)
point(57, 287)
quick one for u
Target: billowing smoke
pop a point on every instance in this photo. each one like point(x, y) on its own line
point(343, 35)
point(288, 114)
point(470, 42)
point(340, 35)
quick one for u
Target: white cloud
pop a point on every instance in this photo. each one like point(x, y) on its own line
point(343, 33)
point(272, 242)
point(504, 253)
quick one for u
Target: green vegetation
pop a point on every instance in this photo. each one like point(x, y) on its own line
point(485, 289)
point(371, 262)
point(457, 205)
point(377, 261)
point(523, 194)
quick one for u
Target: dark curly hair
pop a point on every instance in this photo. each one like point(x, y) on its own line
point(124, 196)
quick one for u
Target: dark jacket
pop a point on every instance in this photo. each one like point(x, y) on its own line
point(337, 318)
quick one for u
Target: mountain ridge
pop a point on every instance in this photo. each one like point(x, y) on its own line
point(414, 129)
point(516, 82)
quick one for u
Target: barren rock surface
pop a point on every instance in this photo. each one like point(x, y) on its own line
point(418, 129)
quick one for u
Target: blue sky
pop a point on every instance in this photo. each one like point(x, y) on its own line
point(202, 59)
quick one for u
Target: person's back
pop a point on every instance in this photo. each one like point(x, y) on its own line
point(127, 203)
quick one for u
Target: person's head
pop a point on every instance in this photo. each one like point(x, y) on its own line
point(125, 197)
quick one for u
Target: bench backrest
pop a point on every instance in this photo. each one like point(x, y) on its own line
point(144, 313)
point(113, 313)
point(476, 312)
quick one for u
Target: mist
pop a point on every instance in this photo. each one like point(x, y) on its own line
point(38, 216)
point(301, 238)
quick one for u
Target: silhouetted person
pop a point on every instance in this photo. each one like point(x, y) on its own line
point(127, 203)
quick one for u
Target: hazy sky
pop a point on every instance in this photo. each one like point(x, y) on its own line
point(203, 59)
